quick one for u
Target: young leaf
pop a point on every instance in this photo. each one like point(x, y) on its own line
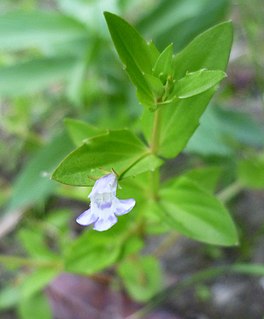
point(137, 56)
point(119, 150)
point(141, 277)
point(197, 214)
point(155, 84)
point(197, 82)
point(163, 65)
point(157, 90)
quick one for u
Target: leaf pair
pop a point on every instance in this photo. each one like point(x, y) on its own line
point(151, 71)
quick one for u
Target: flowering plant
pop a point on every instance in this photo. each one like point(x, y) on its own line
point(174, 91)
point(132, 154)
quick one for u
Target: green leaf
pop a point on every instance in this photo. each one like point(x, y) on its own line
point(251, 172)
point(35, 75)
point(119, 150)
point(20, 30)
point(197, 214)
point(197, 82)
point(80, 131)
point(178, 122)
point(227, 130)
point(180, 118)
point(33, 242)
point(31, 186)
point(35, 307)
point(155, 84)
point(154, 217)
point(223, 131)
point(210, 137)
point(37, 281)
point(9, 296)
point(141, 277)
point(163, 65)
point(131, 246)
point(137, 56)
point(248, 269)
point(205, 177)
point(209, 50)
point(92, 252)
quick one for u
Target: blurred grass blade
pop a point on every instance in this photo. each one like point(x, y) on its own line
point(32, 76)
point(20, 30)
point(179, 21)
point(31, 186)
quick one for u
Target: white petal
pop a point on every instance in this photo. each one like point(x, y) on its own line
point(86, 218)
point(105, 184)
point(124, 206)
point(105, 223)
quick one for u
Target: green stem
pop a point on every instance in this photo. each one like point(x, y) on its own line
point(230, 192)
point(155, 139)
point(154, 184)
point(23, 261)
point(166, 244)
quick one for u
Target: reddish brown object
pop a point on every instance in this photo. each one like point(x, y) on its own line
point(79, 297)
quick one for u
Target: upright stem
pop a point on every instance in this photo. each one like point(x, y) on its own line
point(155, 138)
point(154, 183)
point(230, 191)
point(154, 147)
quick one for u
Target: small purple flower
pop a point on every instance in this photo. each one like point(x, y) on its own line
point(105, 206)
